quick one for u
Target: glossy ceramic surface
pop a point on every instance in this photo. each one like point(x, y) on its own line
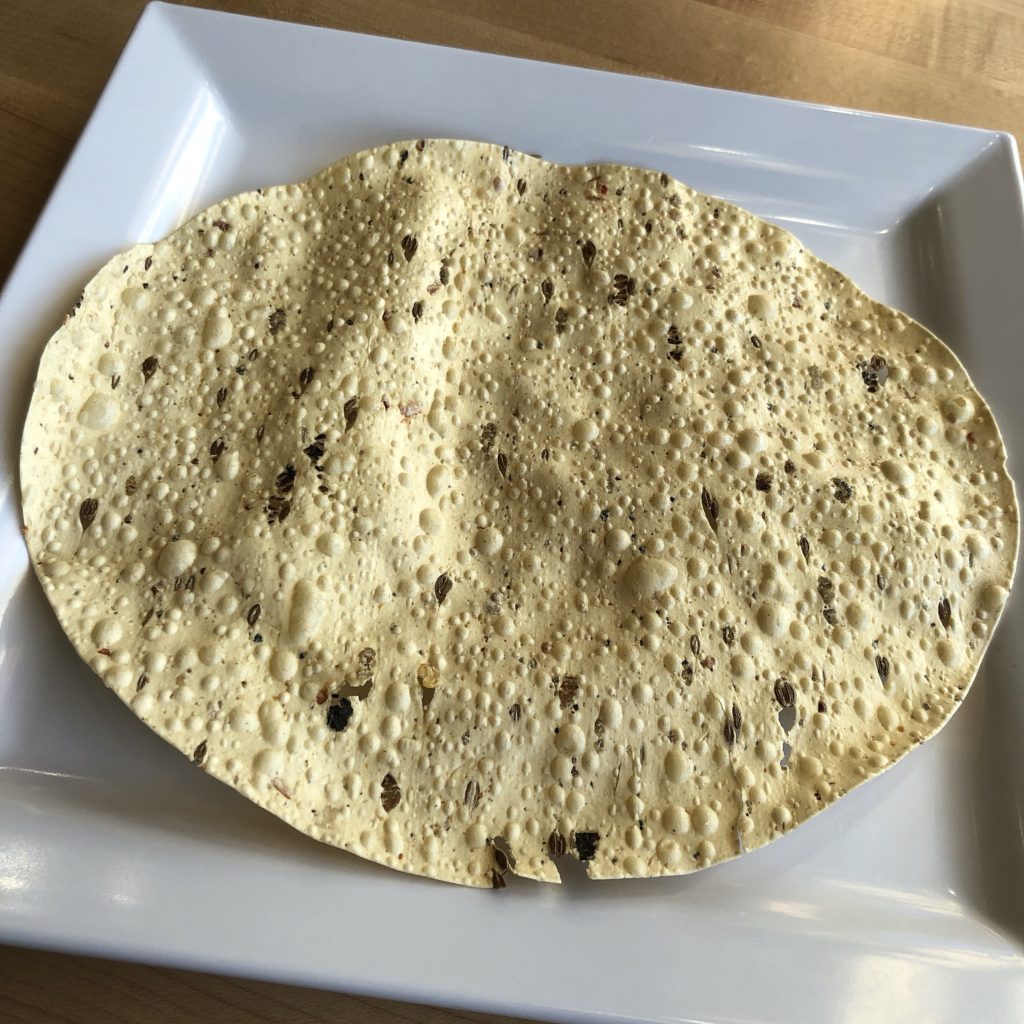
point(905, 902)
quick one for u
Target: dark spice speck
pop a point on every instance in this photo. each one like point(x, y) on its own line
point(277, 320)
point(338, 717)
point(586, 845)
point(843, 491)
point(87, 512)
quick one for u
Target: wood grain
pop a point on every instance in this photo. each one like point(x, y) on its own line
point(950, 60)
point(48, 988)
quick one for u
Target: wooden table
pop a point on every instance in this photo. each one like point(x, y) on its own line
point(950, 60)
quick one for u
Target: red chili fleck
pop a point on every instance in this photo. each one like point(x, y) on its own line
point(103, 650)
point(970, 438)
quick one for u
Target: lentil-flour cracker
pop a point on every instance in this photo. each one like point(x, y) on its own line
point(464, 509)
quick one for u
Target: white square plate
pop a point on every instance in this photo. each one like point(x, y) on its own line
point(903, 903)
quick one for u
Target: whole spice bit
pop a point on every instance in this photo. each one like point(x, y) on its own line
point(710, 507)
point(945, 613)
point(277, 320)
point(115, 379)
point(568, 687)
point(674, 337)
point(763, 482)
point(881, 581)
point(561, 318)
point(149, 366)
point(588, 251)
point(141, 682)
point(417, 311)
point(755, 341)
point(306, 377)
point(277, 509)
point(487, 436)
point(728, 635)
point(788, 468)
point(547, 289)
point(586, 845)
point(222, 393)
point(503, 856)
point(882, 667)
point(729, 731)
point(217, 449)
point(367, 661)
point(442, 587)
point(805, 548)
point(315, 451)
point(521, 186)
point(737, 718)
point(280, 786)
point(87, 512)
point(843, 491)
point(624, 286)
point(148, 263)
point(351, 412)
point(409, 246)
point(830, 615)
point(784, 693)
point(253, 615)
point(199, 754)
point(502, 464)
point(390, 793)
point(695, 645)
point(338, 717)
point(285, 480)
point(472, 795)
point(443, 275)
point(825, 589)
point(515, 713)
point(556, 845)
point(874, 373)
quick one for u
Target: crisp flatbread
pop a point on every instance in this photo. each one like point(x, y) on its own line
point(466, 511)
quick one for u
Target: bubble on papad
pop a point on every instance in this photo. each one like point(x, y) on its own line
point(468, 511)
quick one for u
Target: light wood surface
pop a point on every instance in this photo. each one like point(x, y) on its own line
point(949, 60)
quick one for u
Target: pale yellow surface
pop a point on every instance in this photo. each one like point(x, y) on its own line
point(959, 61)
point(454, 498)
